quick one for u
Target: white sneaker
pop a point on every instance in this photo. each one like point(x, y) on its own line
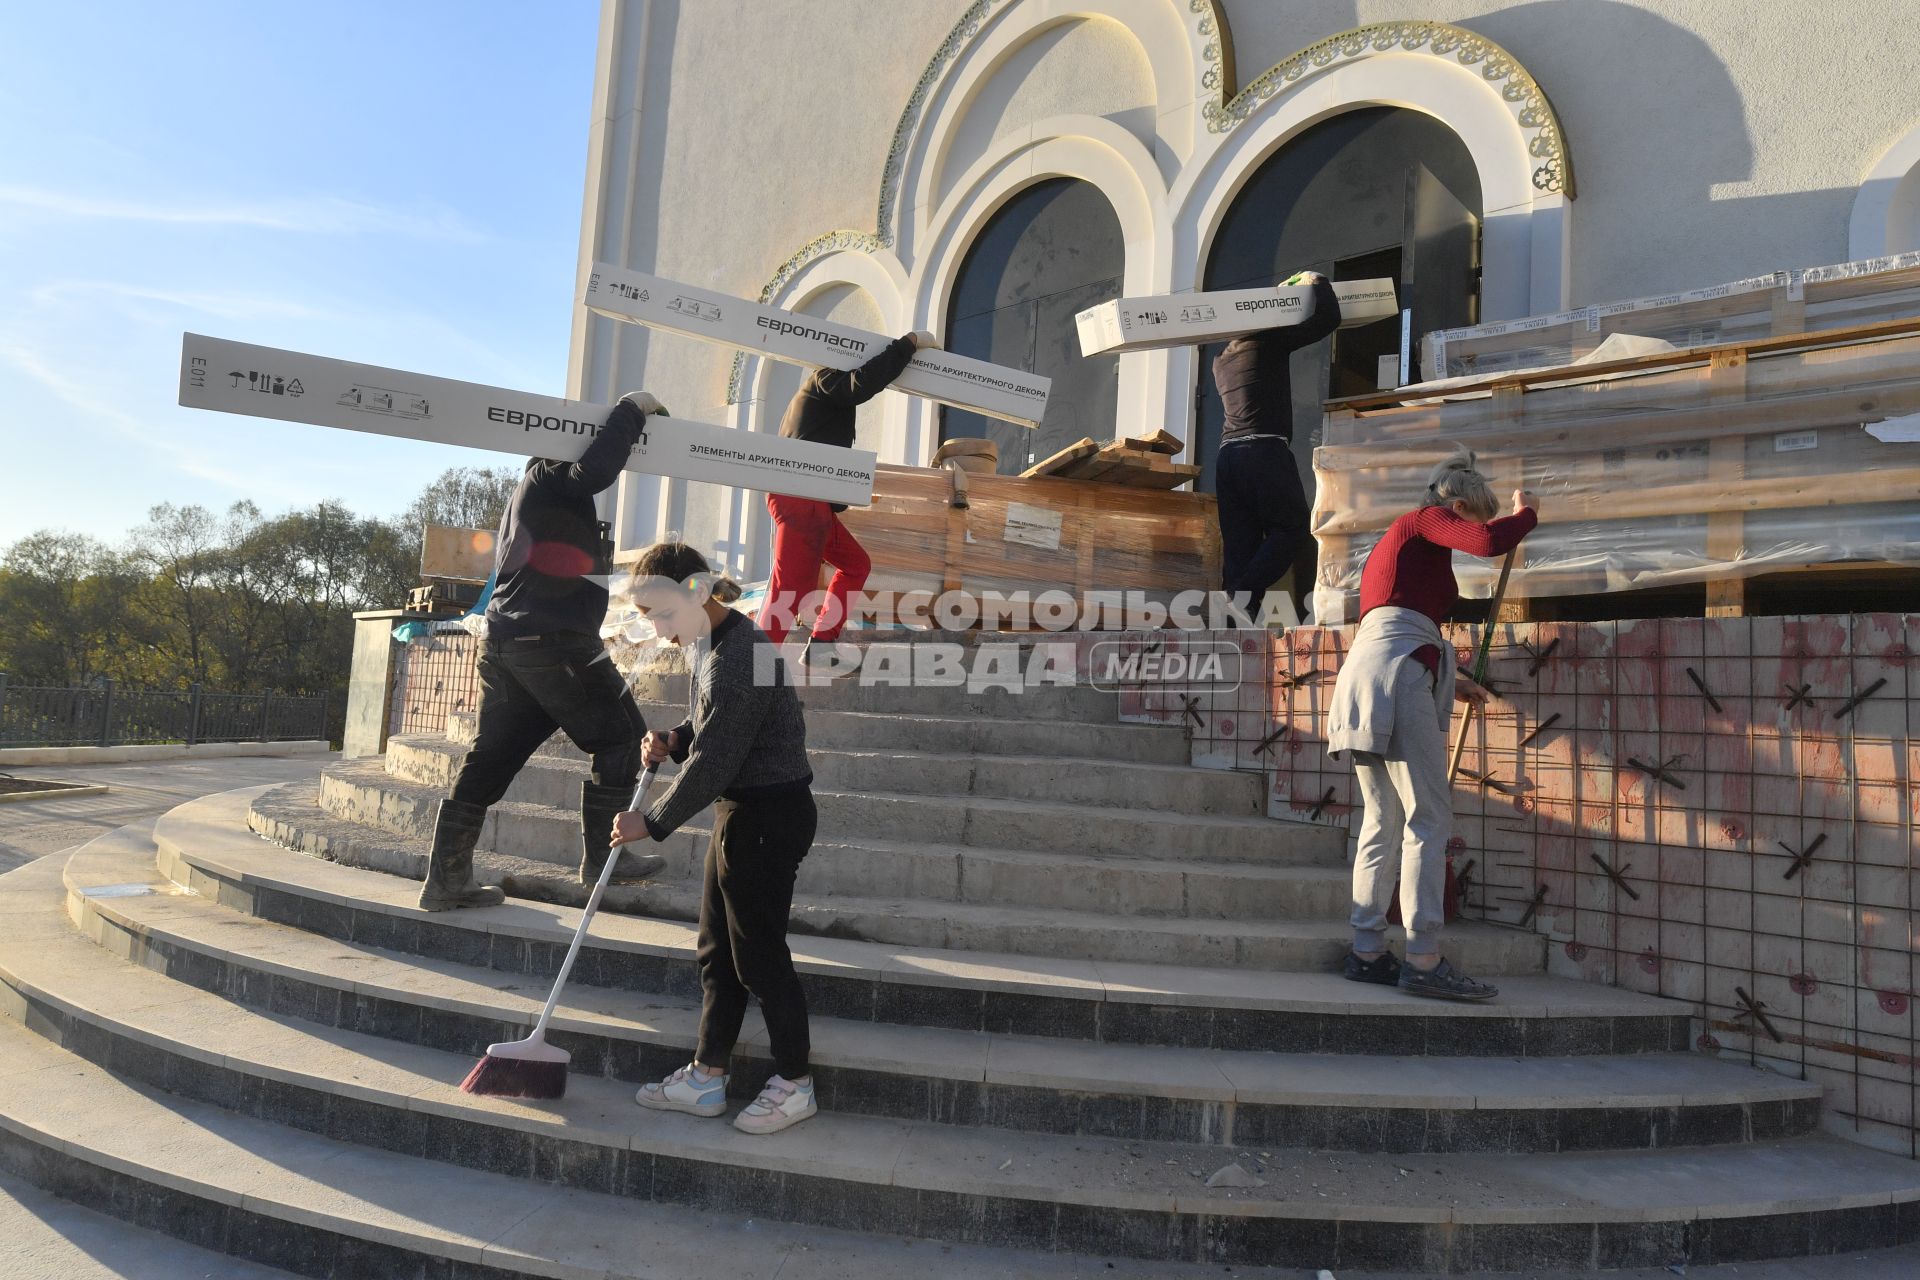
point(683, 1091)
point(781, 1105)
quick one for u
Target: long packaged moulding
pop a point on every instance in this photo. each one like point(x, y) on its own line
point(1184, 319)
point(1012, 395)
point(1843, 295)
point(291, 386)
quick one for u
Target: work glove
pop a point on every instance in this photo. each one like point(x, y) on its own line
point(645, 402)
point(922, 339)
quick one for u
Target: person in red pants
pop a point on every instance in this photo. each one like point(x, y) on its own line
point(808, 533)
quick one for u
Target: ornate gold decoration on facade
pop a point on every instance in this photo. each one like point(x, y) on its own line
point(1497, 67)
point(1217, 71)
point(1223, 109)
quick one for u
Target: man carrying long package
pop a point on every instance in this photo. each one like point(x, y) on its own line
point(1262, 504)
point(808, 534)
point(544, 667)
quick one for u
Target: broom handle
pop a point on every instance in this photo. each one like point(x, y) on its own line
point(586, 917)
point(1480, 666)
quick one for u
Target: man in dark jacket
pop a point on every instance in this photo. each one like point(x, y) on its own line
point(808, 533)
point(544, 666)
point(1262, 504)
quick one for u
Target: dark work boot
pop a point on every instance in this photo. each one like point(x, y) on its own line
point(599, 805)
point(450, 882)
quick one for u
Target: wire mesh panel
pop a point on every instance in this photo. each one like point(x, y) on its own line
point(436, 676)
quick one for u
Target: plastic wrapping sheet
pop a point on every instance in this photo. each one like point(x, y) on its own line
point(1034, 535)
point(1678, 472)
point(1813, 300)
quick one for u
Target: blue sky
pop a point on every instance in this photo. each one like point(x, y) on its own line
point(395, 183)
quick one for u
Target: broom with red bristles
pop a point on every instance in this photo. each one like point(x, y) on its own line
point(532, 1068)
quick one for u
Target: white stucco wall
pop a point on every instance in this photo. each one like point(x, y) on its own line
point(1710, 141)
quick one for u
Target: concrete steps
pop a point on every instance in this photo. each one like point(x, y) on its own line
point(335, 1144)
point(1184, 933)
point(1073, 704)
point(205, 847)
point(553, 778)
point(875, 731)
point(1230, 1098)
point(364, 791)
point(937, 873)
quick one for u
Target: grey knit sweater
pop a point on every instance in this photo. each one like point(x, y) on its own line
point(745, 735)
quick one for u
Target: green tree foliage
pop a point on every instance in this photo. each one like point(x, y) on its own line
point(238, 601)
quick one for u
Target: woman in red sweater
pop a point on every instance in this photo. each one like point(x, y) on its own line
point(1391, 706)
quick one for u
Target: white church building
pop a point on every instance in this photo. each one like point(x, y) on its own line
point(987, 168)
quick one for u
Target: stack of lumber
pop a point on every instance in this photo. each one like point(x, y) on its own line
point(1814, 299)
point(1711, 465)
point(1138, 462)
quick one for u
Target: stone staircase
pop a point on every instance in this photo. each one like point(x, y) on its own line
point(258, 1051)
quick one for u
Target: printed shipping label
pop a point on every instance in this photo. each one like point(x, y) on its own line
point(289, 386)
point(1033, 526)
point(1792, 440)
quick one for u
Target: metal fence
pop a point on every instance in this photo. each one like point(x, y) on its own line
point(106, 715)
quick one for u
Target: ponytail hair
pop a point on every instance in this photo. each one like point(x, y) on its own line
point(679, 565)
point(1458, 480)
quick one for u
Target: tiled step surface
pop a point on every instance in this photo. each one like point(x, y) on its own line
point(1131, 1198)
point(1077, 704)
point(1110, 912)
point(47, 1238)
point(953, 1077)
point(1140, 888)
point(363, 791)
point(979, 735)
point(278, 1196)
point(554, 777)
point(206, 847)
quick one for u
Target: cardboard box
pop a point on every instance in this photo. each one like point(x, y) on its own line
point(448, 551)
point(289, 386)
point(1012, 395)
point(1187, 319)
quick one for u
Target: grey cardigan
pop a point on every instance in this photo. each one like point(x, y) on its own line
point(745, 735)
point(1361, 715)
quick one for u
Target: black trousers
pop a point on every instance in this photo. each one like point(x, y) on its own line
point(529, 688)
point(755, 850)
point(1263, 513)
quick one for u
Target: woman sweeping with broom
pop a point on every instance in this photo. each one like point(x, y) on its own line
point(743, 750)
point(1391, 705)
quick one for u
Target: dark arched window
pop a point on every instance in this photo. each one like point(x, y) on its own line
point(1366, 193)
point(1051, 252)
point(1377, 192)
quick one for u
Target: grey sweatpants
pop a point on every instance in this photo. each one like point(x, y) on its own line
point(1409, 816)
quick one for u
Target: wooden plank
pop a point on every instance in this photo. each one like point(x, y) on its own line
point(1073, 453)
point(1513, 603)
point(1159, 442)
point(1727, 465)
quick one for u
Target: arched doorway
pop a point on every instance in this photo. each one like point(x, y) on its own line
point(1049, 253)
point(1378, 191)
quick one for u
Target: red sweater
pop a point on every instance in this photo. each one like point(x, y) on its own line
point(1411, 567)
